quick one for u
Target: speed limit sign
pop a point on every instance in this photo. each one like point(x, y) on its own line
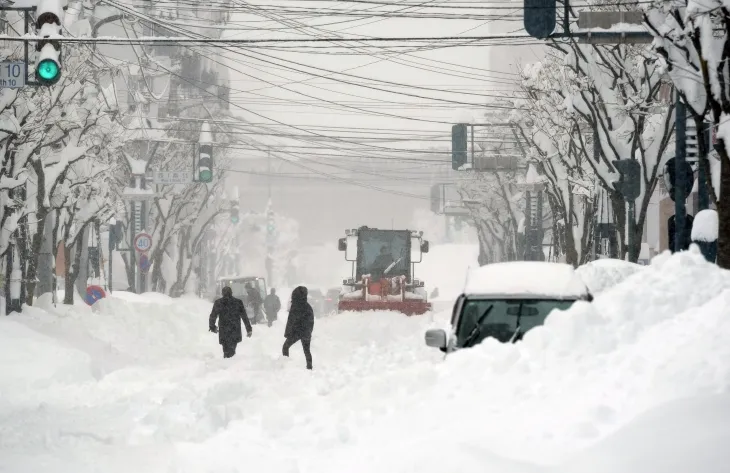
point(142, 242)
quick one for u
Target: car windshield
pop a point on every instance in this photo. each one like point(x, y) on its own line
point(499, 318)
point(315, 293)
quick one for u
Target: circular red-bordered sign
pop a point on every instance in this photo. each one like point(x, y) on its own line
point(143, 242)
point(93, 294)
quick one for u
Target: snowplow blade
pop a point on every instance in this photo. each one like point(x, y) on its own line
point(406, 307)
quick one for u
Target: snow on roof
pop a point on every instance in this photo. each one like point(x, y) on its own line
point(705, 226)
point(526, 278)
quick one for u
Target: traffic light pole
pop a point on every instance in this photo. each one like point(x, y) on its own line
point(680, 210)
point(27, 19)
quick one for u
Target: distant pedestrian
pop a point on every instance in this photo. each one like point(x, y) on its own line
point(255, 300)
point(230, 312)
point(300, 324)
point(272, 306)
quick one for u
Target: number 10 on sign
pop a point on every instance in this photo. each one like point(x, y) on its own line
point(12, 75)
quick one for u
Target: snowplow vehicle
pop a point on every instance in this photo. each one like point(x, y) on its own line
point(383, 271)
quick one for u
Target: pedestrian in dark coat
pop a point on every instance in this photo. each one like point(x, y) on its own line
point(231, 312)
point(300, 324)
point(272, 306)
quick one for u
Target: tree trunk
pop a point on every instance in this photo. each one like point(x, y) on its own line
point(81, 272)
point(484, 251)
point(68, 297)
point(35, 254)
point(47, 261)
point(723, 213)
point(72, 274)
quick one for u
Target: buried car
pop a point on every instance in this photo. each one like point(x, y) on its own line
point(506, 300)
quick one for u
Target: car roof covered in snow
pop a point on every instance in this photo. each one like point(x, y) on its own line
point(526, 278)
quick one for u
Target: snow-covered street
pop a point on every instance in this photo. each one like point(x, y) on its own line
point(141, 386)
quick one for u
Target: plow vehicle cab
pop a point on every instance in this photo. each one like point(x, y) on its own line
point(383, 271)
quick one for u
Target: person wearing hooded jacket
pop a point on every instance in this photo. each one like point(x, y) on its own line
point(229, 312)
point(300, 324)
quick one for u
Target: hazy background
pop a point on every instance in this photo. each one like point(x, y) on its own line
point(337, 190)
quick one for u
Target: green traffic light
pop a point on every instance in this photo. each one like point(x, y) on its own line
point(48, 71)
point(234, 219)
point(206, 175)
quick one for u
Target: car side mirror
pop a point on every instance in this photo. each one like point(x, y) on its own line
point(342, 244)
point(436, 338)
point(424, 247)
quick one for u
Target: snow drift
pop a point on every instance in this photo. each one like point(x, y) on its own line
point(647, 359)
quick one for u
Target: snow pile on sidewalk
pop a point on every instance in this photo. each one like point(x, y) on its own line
point(603, 274)
point(602, 388)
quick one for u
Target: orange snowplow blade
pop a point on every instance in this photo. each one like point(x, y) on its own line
point(406, 307)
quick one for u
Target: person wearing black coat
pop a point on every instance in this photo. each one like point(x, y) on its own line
point(300, 324)
point(230, 311)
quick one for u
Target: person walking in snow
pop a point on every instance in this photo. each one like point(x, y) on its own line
point(254, 298)
point(300, 324)
point(272, 306)
point(229, 312)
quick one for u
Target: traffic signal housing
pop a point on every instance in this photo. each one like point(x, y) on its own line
point(235, 218)
point(458, 145)
point(539, 17)
point(48, 27)
point(629, 184)
point(205, 163)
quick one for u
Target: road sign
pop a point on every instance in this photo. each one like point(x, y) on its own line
point(12, 75)
point(172, 177)
point(144, 263)
point(143, 242)
point(93, 294)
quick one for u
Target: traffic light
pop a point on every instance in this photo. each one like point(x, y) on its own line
point(539, 18)
point(234, 212)
point(205, 163)
point(629, 184)
point(670, 178)
point(458, 145)
point(270, 227)
point(48, 26)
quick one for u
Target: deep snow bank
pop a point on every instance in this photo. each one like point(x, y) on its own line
point(603, 274)
point(378, 399)
point(659, 336)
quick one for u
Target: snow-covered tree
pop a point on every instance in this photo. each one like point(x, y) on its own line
point(693, 39)
point(558, 150)
point(612, 92)
point(54, 140)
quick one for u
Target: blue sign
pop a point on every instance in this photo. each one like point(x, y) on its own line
point(93, 294)
point(144, 263)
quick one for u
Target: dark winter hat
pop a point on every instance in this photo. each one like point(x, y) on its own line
point(227, 291)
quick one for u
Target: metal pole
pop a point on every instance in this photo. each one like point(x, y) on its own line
point(111, 258)
point(269, 173)
point(472, 145)
point(680, 210)
point(26, 17)
point(630, 227)
point(703, 197)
